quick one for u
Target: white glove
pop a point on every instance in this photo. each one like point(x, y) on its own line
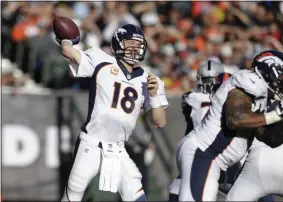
point(279, 109)
point(275, 115)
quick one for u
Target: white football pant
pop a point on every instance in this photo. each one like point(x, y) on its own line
point(87, 165)
point(262, 175)
point(199, 172)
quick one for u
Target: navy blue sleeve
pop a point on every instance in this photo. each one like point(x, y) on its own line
point(187, 110)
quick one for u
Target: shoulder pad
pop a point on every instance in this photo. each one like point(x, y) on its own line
point(250, 83)
point(186, 94)
point(184, 97)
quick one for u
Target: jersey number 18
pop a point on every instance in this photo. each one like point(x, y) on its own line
point(130, 96)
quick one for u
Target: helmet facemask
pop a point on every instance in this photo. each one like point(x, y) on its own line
point(129, 44)
point(206, 84)
point(206, 75)
point(133, 54)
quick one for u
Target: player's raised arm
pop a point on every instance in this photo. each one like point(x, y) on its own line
point(157, 102)
point(67, 34)
point(239, 115)
point(81, 63)
point(69, 52)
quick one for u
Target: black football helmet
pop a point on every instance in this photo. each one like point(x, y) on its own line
point(269, 66)
point(127, 32)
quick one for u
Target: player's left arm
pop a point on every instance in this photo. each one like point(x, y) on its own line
point(157, 113)
point(240, 116)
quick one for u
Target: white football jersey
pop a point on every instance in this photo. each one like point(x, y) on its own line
point(116, 96)
point(199, 103)
point(213, 134)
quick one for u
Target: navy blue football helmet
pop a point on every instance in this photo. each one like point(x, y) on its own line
point(127, 32)
point(269, 66)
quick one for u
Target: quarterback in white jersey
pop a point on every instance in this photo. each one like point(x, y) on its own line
point(118, 90)
point(213, 145)
point(195, 104)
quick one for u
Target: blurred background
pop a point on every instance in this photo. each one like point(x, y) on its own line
point(43, 106)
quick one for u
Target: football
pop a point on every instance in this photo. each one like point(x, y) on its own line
point(65, 28)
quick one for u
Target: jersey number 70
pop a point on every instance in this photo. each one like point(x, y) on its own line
point(130, 96)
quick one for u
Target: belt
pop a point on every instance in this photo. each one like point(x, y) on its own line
point(100, 144)
point(96, 142)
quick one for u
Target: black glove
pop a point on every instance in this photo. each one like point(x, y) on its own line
point(73, 41)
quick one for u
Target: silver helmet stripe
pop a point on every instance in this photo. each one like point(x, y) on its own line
point(210, 68)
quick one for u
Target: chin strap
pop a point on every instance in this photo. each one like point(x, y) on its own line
point(130, 61)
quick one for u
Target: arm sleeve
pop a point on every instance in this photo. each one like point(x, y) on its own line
point(89, 60)
point(187, 110)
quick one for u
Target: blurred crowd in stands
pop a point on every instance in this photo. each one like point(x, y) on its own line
point(179, 34)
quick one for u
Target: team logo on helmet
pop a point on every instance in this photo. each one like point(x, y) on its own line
point(121, 30)
point(270, 60)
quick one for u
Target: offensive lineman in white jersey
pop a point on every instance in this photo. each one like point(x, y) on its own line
point(119, 88)
point(262, 173)
point(195, 104)
point(213, 146)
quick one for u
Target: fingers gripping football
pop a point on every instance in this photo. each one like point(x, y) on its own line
point(152, 85)
point(66, 30)
point(71, 41)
